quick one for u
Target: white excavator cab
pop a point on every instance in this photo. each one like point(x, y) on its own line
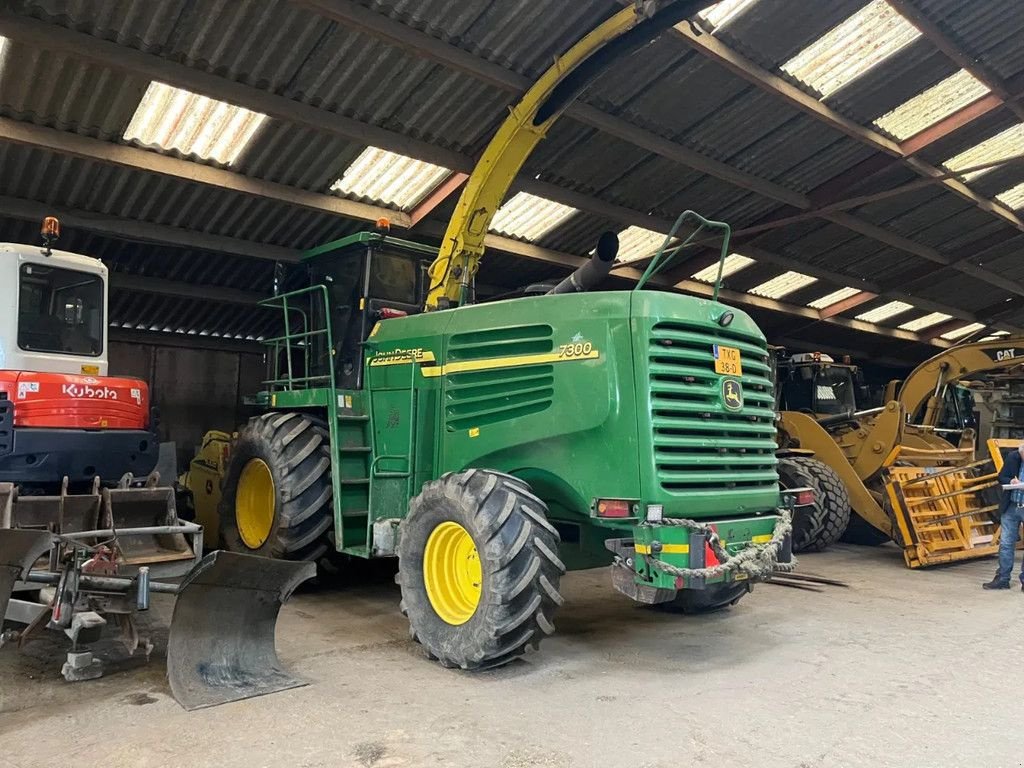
point(52, 311)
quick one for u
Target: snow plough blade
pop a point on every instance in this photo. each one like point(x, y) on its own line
point(221, 642)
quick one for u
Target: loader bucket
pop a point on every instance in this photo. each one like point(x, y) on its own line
point(221, 642)
point(19, 550)
point(166, 555)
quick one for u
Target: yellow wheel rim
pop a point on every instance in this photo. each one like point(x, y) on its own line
point(452, 573)
point(254, 503)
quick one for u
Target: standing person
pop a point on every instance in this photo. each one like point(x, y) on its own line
point(1011, 516)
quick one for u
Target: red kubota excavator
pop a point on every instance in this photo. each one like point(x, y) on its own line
point(80, 539)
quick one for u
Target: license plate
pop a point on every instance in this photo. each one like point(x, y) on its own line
point(727, 361)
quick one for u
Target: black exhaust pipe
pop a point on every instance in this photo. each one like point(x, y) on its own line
point(590, 275)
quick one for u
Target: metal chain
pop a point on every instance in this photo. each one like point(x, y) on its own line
point(757, 561)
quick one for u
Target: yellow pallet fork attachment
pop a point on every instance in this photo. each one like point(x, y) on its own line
point(943, 515)
point(528, 122)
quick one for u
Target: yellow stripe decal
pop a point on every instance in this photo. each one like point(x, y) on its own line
point(464, 366)
point(666, 549)
point(763, 538)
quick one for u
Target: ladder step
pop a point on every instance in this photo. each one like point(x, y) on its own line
point(355, 481)
point(354, 513)
point(388, 475)
point(352, 417)
point(355, 449)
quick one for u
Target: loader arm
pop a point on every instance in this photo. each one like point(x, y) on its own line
point(528, 122)
point(809, 434)
point(926, 384)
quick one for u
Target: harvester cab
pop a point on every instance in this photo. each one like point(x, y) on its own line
point(368, 277)
point(80, 538)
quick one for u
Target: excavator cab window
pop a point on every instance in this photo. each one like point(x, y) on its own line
point(60, 311)
point(372, 279)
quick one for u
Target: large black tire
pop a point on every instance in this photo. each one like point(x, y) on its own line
point(295, 447)
point(519, 568)
point(713, 598)
point(833, 500)
point(808, 520)
point(861, 532)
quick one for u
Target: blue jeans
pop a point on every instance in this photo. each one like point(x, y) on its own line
point(1009, 532)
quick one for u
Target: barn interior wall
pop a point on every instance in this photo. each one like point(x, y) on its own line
point(194, 389)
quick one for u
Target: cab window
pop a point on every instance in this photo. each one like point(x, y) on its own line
point(60, 311)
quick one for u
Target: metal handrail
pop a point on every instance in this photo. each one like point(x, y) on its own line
point(654, 267)
point(289, 340)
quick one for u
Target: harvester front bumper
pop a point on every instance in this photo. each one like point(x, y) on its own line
point(668, 555)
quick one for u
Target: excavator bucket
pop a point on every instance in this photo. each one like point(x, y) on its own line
point(19, 550)
point(166, 555)
point(221, 643)
point(66, 513)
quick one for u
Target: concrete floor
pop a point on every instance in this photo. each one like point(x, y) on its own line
point(901, 669)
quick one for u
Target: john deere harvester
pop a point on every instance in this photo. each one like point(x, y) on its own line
point(492, 446)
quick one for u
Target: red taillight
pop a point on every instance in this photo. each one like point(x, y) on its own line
point(613, 508)
point(387, 313)
point(804, 498)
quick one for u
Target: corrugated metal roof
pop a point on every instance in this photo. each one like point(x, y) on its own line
point(988, 31)
point(669, 90)
point(759, 35)
point(851, 48)
point(930, 106)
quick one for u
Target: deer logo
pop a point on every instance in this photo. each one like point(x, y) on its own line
point(732, 394)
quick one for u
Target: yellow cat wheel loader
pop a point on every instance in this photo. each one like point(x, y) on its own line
point(908, 481)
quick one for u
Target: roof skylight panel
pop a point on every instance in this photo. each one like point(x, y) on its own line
point(884, 312)
point(851, 48)
point(173, 118)
point(932, 105)
point(734, 262)
point(529, 217)
point(782, 285)
point(390, 178)
point(833, 298)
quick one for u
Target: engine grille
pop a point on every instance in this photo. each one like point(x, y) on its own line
point(699, 446)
